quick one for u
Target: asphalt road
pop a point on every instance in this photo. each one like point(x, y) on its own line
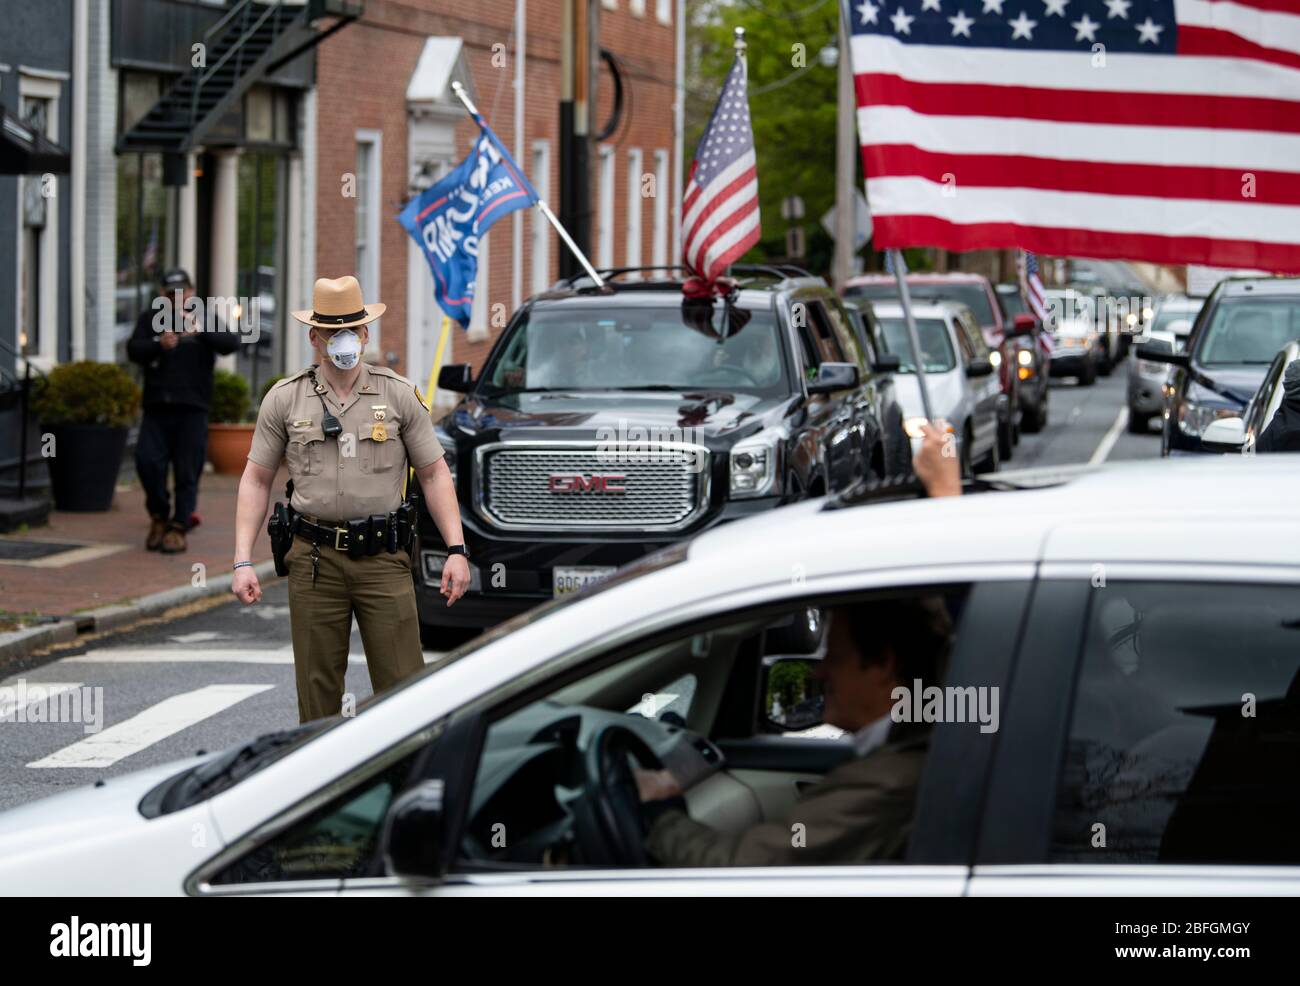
point(223, 673)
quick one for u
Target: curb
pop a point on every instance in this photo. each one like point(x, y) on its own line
point(20, 643)
point(17, 644)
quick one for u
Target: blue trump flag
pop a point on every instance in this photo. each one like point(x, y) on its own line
point(449, 219)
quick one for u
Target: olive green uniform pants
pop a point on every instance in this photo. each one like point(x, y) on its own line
point(379, 590)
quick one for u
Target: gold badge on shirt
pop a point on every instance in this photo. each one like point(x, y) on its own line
point(379, 433)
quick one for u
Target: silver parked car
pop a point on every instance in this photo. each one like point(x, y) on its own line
point(959, 373)
point(1096, 668)
point(1171, 325)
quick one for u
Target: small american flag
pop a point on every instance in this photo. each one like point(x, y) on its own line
point(1166, 130)
point(1031, 286)
point(720, 209)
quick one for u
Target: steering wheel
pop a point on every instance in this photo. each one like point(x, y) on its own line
point(611, 825)
point(746, 378)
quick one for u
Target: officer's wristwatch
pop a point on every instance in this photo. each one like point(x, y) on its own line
point(457, 549)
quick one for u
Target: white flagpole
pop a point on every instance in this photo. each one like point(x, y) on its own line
point(914, 340)
point(545, 209)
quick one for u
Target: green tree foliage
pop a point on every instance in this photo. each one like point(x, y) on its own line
point(792, 103)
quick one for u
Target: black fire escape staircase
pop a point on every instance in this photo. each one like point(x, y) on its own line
point(252, 40)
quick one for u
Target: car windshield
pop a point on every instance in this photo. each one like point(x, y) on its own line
point(1013, 303)
point(1249, 331)
point(579, 347)
point(1167, 317)
point(973, 296)
point(936, 344)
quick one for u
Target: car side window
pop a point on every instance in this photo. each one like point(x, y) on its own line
point(827, 344)
point(1184, 746)
point(554, 784)
point(844, 335)
point(337, 841)
point(976, 338)
point(963, 341)
point(809, 355)
point(866, 336)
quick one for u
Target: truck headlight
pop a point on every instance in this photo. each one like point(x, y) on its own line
point(1025, 357)
point(754, 466)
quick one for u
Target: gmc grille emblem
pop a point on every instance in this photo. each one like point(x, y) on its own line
point(561, 482)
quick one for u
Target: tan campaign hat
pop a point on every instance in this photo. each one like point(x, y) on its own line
point(336, 304)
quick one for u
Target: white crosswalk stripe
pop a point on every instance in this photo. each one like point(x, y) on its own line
point(155, 723)
point(190, 655)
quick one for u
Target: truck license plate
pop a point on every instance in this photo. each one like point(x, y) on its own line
point(567, 580)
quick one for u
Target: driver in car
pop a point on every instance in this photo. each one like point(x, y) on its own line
point(862, 810)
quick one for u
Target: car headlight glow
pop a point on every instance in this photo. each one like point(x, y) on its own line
point(1131, 318)
point(1194, 418)
point(995, 358)
point(754, 466)
point(1147, 314)
point(1025, 358)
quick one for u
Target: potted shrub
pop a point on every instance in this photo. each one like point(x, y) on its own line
point(230, 434)
point(88, 408)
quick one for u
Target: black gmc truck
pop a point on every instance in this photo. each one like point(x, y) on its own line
point(610, 422)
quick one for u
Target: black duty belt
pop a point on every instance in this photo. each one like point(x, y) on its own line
point(389, 532)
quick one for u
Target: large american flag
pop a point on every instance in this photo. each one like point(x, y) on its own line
point(1162, 130)
point(720, 208)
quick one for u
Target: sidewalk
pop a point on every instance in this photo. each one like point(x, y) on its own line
point(111, 565)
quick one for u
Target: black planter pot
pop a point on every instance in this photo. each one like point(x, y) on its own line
point(85, 464)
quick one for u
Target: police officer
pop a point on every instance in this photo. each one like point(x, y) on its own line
point(347, 431)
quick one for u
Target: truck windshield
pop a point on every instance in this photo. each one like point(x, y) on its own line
point(576, 347)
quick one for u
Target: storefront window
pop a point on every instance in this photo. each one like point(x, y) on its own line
point(142, 235)
point(261, 252)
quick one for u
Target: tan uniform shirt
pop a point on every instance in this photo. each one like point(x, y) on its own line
point(360, 472)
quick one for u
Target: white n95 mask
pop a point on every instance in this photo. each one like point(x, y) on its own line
point(344, 349)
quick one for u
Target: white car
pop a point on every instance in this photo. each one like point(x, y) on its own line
point(960, 376)
point(1141, 670)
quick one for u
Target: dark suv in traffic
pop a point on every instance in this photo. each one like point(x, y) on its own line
point(610, 422)
point(1240, 328)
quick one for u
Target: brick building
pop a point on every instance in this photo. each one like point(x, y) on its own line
point(387, 125)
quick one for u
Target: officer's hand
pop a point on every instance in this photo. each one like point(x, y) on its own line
point(169, 340)
point(455, 577)
point(936, 464)
point(245, 585)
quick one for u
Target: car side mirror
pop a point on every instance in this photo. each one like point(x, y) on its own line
point(979, 368)
point(411, 842)
point(1162, 351)
point(887, 363)
point(1023, 325)
point(792, 695)
point(1224, 435)
point(834, 376)
point(458, 378)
